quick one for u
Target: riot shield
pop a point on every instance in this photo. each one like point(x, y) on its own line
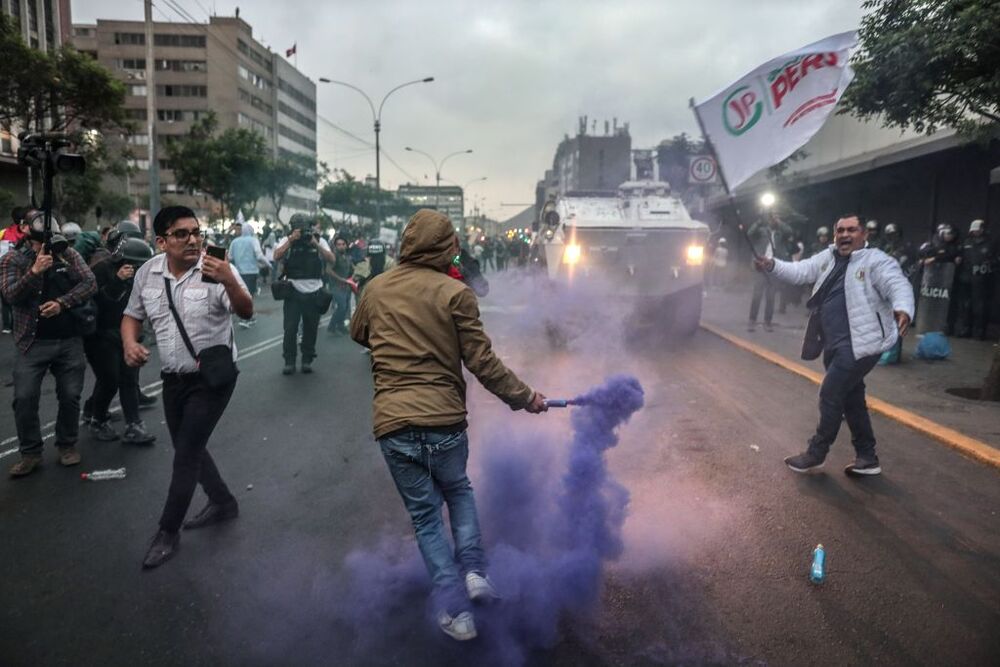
point(935, 296)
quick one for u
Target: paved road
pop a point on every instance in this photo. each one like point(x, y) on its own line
point(320, 568)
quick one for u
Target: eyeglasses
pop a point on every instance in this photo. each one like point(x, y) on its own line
point(184, 234)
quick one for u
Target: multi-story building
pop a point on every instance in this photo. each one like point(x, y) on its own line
point(217, 66)
point(45, 25)
point(447, 198)
point(592, 162)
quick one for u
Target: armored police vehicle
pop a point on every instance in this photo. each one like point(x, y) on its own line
point(639, 246)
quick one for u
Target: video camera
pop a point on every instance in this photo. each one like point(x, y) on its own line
point(48, 154)
point(306, 225)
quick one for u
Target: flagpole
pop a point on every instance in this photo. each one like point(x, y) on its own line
point(722, 177)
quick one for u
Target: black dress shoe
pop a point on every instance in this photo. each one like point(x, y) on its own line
point(213, 513)
point(163, 548)
point(145, 400)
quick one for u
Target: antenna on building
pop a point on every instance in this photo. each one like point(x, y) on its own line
point(615, 120)
point(583, 125)
point(593, 127)
point(606, 128)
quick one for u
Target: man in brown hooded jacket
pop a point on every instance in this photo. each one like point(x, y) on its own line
point(421, 326)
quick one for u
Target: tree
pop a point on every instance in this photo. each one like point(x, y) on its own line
point(79, 194)
point(230, 167)
point(65, 89)
point(928, 64)
point(281, 174)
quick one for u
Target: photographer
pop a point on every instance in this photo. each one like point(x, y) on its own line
point(303, 252)
point(114, 276)
point(43, 280)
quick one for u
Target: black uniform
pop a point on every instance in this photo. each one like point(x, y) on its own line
point(973, 285)
point(303, 262)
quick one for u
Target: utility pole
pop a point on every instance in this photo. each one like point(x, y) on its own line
point(154, 165)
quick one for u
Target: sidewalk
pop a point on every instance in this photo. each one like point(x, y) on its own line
point(914, 385)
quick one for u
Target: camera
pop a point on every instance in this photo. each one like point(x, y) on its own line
point(306, 225)
point(48, 154)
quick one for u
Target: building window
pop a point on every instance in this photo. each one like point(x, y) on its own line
point(135, 114)
point(296, 94)
point(256, 102)
point(82, 32)
point(297, 116)
point(190, 41)
point(182, 91)
point(300, 139)
point(139, 139)
point(181, 66)
point(131, 63)
point(141, 164)
point(132, 38)
point(136, 90)
point(246, 121)
point(255, 80)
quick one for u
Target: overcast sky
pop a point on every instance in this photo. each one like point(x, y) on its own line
point(512, 77)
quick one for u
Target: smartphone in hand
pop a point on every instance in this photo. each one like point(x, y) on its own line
point(219, 253)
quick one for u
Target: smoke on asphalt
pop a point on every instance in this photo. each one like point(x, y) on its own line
point(550, 534)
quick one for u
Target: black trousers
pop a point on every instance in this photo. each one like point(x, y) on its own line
point(113, 376)
point(842, 394)
point(192, 410)
point(302, 308)
point(763, 286)
point(973, 307)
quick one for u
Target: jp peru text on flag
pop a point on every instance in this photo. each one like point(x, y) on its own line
point(771, 112)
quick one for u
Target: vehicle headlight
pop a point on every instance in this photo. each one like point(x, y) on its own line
point(695, 254)
point(571, 255)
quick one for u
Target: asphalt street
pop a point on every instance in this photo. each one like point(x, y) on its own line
point(717, 540)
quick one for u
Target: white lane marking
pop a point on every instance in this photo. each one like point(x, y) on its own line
point(154, 388)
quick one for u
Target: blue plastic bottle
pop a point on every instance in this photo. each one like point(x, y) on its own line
point(818, 570)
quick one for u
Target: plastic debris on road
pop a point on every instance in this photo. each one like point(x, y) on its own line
point(101, 475)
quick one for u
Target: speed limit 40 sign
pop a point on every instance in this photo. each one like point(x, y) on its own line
point(702, 170)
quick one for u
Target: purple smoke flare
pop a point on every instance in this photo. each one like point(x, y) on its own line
point(548, 543)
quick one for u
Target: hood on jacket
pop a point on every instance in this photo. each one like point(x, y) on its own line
point(429, 239)
point(247, 229)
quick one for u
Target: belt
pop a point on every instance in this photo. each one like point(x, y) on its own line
point(164, 375)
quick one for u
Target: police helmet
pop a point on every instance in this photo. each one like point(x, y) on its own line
point(36, 225)
point(872, 225)
point(823, 231)
point(722, 240)
point(976, 226)
point(376, 247)
point(129, 229)
point(301, 221)
point(891, 228)
point(71, 230)
point(944, 229)
point(132, 251)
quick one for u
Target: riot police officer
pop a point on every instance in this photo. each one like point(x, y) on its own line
point(822, 241)
point(974, 280)
point(303, 253)
point(874, 238)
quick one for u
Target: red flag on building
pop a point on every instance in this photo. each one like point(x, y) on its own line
point(291, 52)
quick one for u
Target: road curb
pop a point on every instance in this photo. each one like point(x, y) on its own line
point(968, 446)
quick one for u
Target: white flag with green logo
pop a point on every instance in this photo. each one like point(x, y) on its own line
point(767, 115)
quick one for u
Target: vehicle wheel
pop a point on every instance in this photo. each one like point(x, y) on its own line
point(687, 314)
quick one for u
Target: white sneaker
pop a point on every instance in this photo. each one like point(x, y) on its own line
point(461, 628)
point(480, 588)
point(243, 324)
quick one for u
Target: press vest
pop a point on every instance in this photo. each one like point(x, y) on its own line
point(303, 263)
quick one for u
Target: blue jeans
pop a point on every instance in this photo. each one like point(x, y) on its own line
point(341, 309)
point(428, 469)
point(842, 394)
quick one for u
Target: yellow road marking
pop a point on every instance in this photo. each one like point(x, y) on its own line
point(971, 447)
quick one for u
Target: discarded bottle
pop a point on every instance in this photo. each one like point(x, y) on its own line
point(818, 570)
point(101, 475)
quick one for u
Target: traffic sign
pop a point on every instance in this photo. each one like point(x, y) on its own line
point(702, 170)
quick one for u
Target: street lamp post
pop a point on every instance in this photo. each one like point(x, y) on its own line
point(377, 121)
point(437, 168)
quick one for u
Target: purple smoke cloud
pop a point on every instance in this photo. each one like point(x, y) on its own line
point(547, 544)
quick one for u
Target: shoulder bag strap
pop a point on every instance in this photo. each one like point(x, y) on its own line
point(177, 319)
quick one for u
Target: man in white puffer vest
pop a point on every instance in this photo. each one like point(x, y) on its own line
point(861, 303)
